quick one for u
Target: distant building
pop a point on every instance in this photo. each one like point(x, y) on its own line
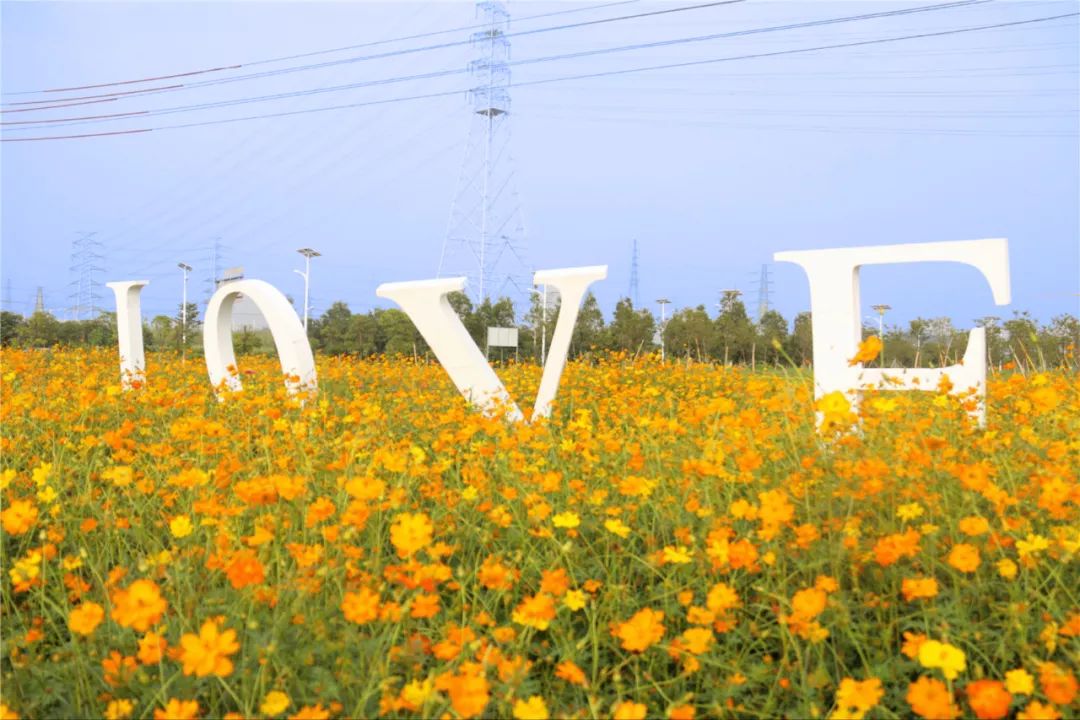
point(245, 313)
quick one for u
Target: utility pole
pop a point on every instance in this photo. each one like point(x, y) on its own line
point(880, 309)
point(663, 303)
point(634, 276)
point(308, 253)
point(185, 268)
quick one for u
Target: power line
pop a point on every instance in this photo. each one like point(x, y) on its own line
point(584, 76)
point(308, 54)
point(391, 80)
point(528, 61)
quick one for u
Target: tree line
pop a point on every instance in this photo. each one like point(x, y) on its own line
point(729, 336)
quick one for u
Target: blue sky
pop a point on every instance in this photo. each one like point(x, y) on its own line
point(711, 167)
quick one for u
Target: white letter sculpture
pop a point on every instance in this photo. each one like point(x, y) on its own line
point(427, 305)
point(293, 348)
point(129, 331)
point(837, 331)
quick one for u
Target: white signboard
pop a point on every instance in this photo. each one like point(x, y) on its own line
point(502, 337)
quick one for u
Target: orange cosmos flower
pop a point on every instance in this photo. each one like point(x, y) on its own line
point(930, 699)
point(208, 652)
point(855, 697)
point(468, 691)
point(361, 607)
point(118, 668)
point(1036, 710)
point(85, 618)
point(627, 710)
point(139, 605)
point(974, 526)
point(571, 673)
point(869, 349)
point(411, 532)
point(152, 648)
point(425, 605)
point(919, 588)
point(721, 598)
point(807, 604)
point(311, 712)
point(18, 517)
point(178, 710)
point(682, 712)
point(495, 576)
point(537, 611)
point(964, 558)
point(245, 569)
point(641, 631)
point(555, 582)
point(1058, 684)
point(989, 699)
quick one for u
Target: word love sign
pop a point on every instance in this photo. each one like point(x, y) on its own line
point(834, 304)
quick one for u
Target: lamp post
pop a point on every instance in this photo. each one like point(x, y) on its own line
point(880, 309)
point(308, 253)
point(183, 307)
point(663, 303)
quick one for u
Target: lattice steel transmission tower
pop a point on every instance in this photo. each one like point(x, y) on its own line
point(85, 256)
point(764, 291)
point(214, 266)
point(634, 277)
point(485, 238)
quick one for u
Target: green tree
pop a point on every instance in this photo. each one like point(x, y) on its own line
point(690, 333)
point(735, 332)
point(589, 329)
point(332, 333)
point(41, 330)
point(539, 324)
point(191, 330)
point(772, 333)
point(11, 325)
point(631, 330)
point(163, 331)
point(364, 330)
point(995, 340)
point(1022, 340)
point(397, 334)
point(245, 341)
point(802, 339)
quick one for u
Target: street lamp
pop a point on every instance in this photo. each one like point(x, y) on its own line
point(880, 309)
point(183, 306)
point(543, 325)
point(663, 303)
point(308, 253)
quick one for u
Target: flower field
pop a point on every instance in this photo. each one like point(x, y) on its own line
point(677, 541)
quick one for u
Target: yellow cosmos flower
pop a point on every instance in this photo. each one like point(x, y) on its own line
point(566, 520)
point(1019, 682)
point(532, 709)
point(943, 656)
point(274, 703)
point(617, 527)
point(180, 526)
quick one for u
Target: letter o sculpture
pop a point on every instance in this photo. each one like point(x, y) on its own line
point(293, 348)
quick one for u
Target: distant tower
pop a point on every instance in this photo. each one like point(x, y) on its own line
point(485, 237)
point(211, 282)
point(764, 290)
point(39, 302)
point(634, 276)
point(86, 295)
